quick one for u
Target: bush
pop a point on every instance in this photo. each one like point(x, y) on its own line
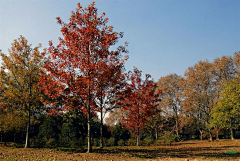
point(132, 142)
point(96, 142)
point(110, 142)
point(158, 142)
point(167, 138)
point(36, 142)
point(147, 142)
point(51, 143)
point(78, 143)
point(121, 143)
point(120, 133)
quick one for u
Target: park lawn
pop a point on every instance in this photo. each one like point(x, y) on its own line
point(188, 150)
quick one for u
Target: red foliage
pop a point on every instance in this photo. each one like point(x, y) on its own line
point(140, 100)
point(81, 59)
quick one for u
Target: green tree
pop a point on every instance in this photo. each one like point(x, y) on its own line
point(226, 114)
point(49, 130)
point(120, 133)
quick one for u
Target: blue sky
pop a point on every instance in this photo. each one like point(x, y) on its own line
point(165, 36)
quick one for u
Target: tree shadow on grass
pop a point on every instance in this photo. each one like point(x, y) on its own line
point(183, 152)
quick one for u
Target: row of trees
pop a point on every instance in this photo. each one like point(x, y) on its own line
point(205, 101)
point(61, 94)
point(82, 74)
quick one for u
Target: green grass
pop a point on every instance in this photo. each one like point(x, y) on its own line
point(193, 150)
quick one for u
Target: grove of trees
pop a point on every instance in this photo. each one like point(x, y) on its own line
point(78, 93)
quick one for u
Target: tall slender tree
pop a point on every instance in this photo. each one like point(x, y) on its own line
point(140, 102)
point(110, 82)
point(171, 87)
point(199, 94)
point(81, 59)
point(20, 73)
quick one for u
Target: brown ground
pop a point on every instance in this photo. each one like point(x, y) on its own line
point(182, 151)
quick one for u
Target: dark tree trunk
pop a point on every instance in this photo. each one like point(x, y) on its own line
point(5, 139)
point(101, 127)
point(14, 137)
point(1, 136)
point(153, 135)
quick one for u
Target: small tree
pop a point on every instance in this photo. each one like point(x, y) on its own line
point(120, 133)
point(140, 101)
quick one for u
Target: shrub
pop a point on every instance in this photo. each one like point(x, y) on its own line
point(132, 142)
point(96, 142)
point(167, 138)
point(147, 142)
point(51, 143)
point(121, 143)
point(36, 142)
point(111, 142)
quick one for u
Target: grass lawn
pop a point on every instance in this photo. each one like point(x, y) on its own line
point(188, 150)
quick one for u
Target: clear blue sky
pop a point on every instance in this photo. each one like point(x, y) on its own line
point(165, 36)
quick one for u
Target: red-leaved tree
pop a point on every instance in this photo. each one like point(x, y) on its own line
point(110, 83)
point(81, 59)
point(140, 101)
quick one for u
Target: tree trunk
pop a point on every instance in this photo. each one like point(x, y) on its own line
point(29, 110)
point(28, 129)
point(217, 135)
point(5, 139)
point(201, 134)
point(210, 137)
point(89, 132)
point(14, 137)
point(231, 131)
point(177, 124)
point(101, 127)
point(156, 133)
point(89, 120)
point(138, 137)
point(153, 134)
point(177, 129)
point(1, 136)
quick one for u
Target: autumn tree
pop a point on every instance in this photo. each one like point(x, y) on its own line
point(114, 116)
point(140, 101)
point(224, 70)
point(111, 80)
point(199, 94)
point(154, 123)
point(226, 114)
point(20, 73)
point(171, 98)
point(80, 64)
point(236, 60)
